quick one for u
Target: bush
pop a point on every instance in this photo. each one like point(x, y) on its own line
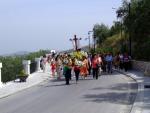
point(12, 65)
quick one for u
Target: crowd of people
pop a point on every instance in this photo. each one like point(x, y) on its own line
point(81, 64)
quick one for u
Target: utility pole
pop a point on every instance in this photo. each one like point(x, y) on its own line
point(75, 40)
point(130, 40)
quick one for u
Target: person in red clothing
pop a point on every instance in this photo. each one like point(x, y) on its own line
point(76, 68)
point(95, 63)
point(84, 68)
point(53, 68)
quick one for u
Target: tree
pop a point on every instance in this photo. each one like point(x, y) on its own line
point(115, 28)
point(101, 32)
point(136, 16)
point(12, 65)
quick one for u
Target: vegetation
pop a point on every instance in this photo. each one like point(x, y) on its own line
point(101, 32)
point(136, 16)
point(108, 39)
point(12, 65)
point(34, 55)
point(134, 23)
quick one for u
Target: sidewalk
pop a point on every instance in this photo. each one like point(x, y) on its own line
point(13, 87)
point(142, 101)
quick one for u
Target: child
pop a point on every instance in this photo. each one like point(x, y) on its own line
point(53, 68)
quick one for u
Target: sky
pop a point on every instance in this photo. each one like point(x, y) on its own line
point(31, 25)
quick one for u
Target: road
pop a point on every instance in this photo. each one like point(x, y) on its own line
point(109, 94)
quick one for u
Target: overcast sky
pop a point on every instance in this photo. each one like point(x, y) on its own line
point(30, 25)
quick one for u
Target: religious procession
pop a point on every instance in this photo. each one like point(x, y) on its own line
point(77, 64)
point(80, 64)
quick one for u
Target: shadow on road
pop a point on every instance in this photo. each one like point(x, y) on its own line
point(117, 98)
point(120, 87)
point(118, 94)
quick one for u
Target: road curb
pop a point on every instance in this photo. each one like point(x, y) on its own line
point(139, 99)
point(19, 90)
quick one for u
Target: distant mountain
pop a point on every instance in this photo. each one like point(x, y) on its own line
point(19, 53)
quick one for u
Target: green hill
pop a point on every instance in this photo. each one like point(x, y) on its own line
point(115, 43)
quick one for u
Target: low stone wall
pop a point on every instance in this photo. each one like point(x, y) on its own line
point(141, 66)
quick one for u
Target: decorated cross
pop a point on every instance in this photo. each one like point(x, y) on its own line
point(75, 40)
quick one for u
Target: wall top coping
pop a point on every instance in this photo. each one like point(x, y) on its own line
point(37, 59)
point(26, 62)
point(141, 61)
point(0, 65)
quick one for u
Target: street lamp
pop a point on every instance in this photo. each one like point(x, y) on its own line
point(89, 36)
point(94, 37)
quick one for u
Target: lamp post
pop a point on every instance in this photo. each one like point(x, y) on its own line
point(94, 37)
point(75, 40)
point(89, 36)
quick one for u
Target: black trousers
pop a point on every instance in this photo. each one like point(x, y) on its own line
point(95, 73)
point(104, 67)
point(109, 67)
point(89, 70)
point(126, 66)
point(77, 74)
point(121, 65)
point(68, 76)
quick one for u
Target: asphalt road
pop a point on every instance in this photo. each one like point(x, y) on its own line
point(109, 94)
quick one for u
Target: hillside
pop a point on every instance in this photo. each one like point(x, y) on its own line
point(115, 43)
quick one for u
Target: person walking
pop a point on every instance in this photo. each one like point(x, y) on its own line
point(43, 63)
point(109, 60)
point(89, 63)
point(67, 70)
point(53, 68)
point(121, 61)
point(84, 67)
point(66, 73)
point(95, 66)
point(104, 62)
point(116, 61)
point(126, 62)
point(58, 66)
point(76, 69)
point(70, 66)
point(100, 62)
